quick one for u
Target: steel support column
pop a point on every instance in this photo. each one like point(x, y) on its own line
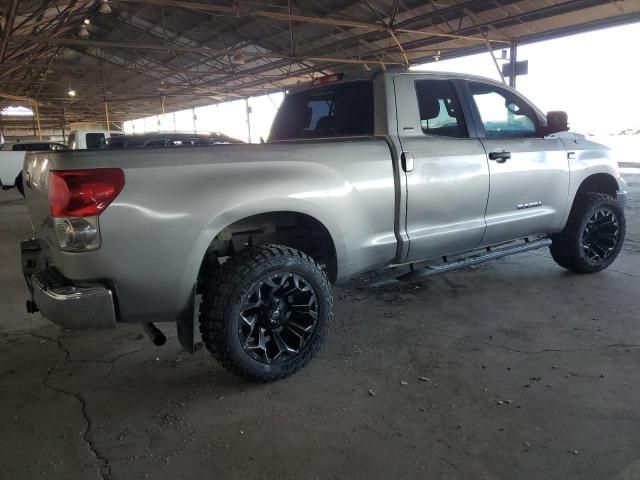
point(513, 58)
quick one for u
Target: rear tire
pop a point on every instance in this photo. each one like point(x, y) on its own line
point(593, 236)
point(265, 312)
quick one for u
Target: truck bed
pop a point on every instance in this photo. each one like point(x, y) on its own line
point(155, 233)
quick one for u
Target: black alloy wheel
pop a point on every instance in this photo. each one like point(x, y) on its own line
point(265, 312)
point(600, 235)
point(593, 236)
point(278, 316)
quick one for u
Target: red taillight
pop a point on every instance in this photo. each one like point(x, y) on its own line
point(83, 193)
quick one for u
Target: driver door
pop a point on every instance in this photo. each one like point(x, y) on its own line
point(529, 174)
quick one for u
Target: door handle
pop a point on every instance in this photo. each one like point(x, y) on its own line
point(407, 161)
point(500, 157)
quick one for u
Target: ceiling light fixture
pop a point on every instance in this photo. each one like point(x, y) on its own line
point(87, 21)
point(104, 7)
point(71, 92)
point(238, 59)
point(83, 32)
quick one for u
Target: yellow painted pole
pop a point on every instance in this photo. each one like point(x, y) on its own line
point(106, 112)
point(35, 104)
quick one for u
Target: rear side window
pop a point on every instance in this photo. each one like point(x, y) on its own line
point(95, 140)
point(440, 112)
point(332, 111)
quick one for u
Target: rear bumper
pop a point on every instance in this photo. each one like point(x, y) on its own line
point(59, 300)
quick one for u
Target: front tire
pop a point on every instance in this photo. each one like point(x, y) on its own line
point(265, 312)
point(593, 236)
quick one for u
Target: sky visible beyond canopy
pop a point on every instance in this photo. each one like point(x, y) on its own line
point(593, 76)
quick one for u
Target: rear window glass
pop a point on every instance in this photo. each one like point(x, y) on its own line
point(332, 111)
point(34, 147)
point(95, 140)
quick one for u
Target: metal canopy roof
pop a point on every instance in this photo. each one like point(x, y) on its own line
point(146, 55)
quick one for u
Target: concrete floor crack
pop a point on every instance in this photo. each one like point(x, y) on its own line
point(67, 352)
point(588, 348)
point(57, 341)
point(105, 466)
point(87, 436)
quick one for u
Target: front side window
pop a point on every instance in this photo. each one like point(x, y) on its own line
point(440, 112)
point(503, 114)
point(344, 109)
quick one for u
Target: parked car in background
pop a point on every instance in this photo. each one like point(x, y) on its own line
point(170, 139)
point(34, 146)
point(90, 139)
point(12, 158)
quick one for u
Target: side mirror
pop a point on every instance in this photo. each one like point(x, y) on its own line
point(557, 121)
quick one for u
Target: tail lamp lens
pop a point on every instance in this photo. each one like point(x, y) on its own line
point(83, 193)
point(76, 198)
point(77, 234)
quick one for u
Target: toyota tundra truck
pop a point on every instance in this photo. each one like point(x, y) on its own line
point(425, 172)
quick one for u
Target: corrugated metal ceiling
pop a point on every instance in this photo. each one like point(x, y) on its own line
point(149, 53)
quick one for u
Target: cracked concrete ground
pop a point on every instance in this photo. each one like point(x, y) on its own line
point(514, 370)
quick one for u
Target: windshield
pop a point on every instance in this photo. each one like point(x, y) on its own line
point(332, 111)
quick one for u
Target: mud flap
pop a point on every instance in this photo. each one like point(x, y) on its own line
point(186, 326)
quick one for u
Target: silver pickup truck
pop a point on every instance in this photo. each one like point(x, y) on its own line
point(432, 172)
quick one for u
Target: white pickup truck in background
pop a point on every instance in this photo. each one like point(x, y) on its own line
point(90, 139)
point(12, 158)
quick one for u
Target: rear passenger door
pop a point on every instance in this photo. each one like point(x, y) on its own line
point(446, 170)
point(529, 173)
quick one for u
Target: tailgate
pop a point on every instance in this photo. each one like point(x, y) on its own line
point(36, 192)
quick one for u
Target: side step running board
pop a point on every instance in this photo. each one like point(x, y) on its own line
point(475, 259)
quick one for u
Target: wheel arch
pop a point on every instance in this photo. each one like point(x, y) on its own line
point(223, 224)
point(598, 183)
point(233, 216)
point(294, 229)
